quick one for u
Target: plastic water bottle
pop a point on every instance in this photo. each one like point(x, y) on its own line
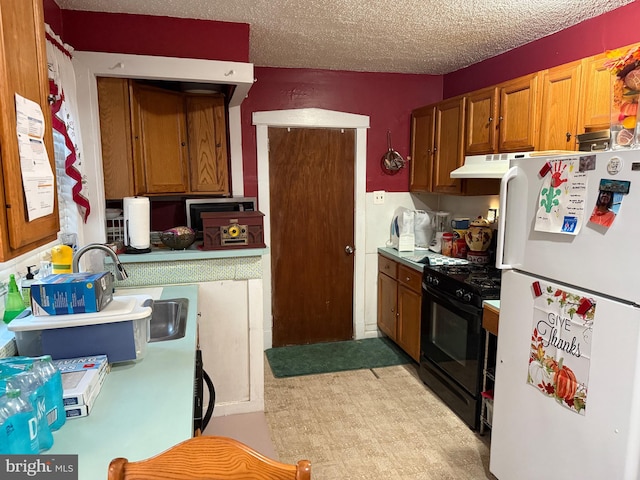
point(32, 389)
point(54, 402)
point(4, 443)
point(20, 427)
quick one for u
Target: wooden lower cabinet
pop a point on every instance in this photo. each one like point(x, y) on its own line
point(399, 304)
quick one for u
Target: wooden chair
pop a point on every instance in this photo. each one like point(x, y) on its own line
point(208, 458)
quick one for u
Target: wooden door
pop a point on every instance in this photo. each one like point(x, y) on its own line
point(594, 112)
point(449, 144)
point(311, 178)
point(559, 109)
point(482, 122)
point(208, 159)
point(115, 136)
point(160, 144)
point(518, 114)
point(422, 130)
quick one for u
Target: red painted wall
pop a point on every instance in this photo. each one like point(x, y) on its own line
point(152, 35)
point(612, 30)
point(387, 98)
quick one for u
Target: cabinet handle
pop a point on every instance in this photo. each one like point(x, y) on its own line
point(568, 136)
point(183, 144)
point(490, 119)
point(435, 149)
point(407, 279)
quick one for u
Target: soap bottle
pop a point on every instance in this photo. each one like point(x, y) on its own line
point(13, 305)
point(25, 286)
point(61, 259)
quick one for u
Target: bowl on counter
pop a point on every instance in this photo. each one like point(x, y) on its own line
point(178, 238)
point(113, 213)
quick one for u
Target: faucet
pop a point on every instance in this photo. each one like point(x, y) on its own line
point(121, 273)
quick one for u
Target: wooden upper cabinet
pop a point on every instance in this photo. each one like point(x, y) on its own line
point(449, 144)
point(518, 114)
point(559, 109)
point(23, 70)
point(115, 136)
point(422, 131)
point(594, 109)
point(208, 159)
point(159, 140)
point(481, 134)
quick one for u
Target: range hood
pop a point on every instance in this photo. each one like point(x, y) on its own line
point(497, 164)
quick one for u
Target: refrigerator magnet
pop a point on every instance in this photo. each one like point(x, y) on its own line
point(537, 289)
point(614, 165)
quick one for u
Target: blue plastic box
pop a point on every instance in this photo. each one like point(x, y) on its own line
point(68, 293)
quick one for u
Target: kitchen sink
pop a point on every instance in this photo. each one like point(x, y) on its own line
point(168, 319)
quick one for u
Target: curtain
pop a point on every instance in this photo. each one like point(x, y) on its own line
point(73, 203)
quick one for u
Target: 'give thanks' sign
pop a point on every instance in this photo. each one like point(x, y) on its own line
point(561, 345)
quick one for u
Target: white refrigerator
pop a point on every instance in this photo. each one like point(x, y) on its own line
point(567, 379)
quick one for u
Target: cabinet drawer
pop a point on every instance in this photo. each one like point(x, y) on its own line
point(410, 277)
point(387, 266)
point(490, 318)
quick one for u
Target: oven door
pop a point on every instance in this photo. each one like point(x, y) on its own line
point(452, 338)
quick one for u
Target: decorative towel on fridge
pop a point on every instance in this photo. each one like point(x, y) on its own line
point(561, 345)
point(562, 196)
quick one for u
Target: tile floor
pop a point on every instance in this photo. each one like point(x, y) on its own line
point(379, 424)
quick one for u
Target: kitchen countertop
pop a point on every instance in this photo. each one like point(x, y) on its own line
point(493, 303)
point(409, 258)
point(191, 253)
point(144, 407)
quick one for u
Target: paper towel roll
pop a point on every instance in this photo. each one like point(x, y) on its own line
point(137, 215)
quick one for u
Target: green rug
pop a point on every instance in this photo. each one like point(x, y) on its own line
point(335, 357)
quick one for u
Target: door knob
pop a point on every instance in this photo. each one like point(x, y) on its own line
point(349, 249)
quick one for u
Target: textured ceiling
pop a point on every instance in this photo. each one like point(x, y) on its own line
point(404, 36)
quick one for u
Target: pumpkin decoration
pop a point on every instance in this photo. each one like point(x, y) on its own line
point(566, 383)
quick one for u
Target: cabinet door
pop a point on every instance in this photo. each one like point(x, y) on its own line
point(207, 133)
point(387, 299)
point(482, 122)
point(449, 144)
point(559, 109)
point(518, 114)
point(594, 111)
point(422, 130)
point(115, 135)
point(23, 71)
point(409, 310)
point(160, 148)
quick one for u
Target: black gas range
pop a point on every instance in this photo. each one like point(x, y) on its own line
point(452, 338)
point(470, 283)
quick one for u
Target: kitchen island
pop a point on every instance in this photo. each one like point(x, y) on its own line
point(143, 408)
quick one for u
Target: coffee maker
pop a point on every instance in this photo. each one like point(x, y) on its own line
point(440, 224)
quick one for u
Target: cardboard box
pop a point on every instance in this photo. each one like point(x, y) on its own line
point(81, 378)
point(77, 411)
point(68, 293)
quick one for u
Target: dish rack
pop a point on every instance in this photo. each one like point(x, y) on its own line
point(115, 230)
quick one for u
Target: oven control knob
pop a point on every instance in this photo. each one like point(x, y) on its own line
point(434, 281)
point(467, 297)
point(459, 293)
